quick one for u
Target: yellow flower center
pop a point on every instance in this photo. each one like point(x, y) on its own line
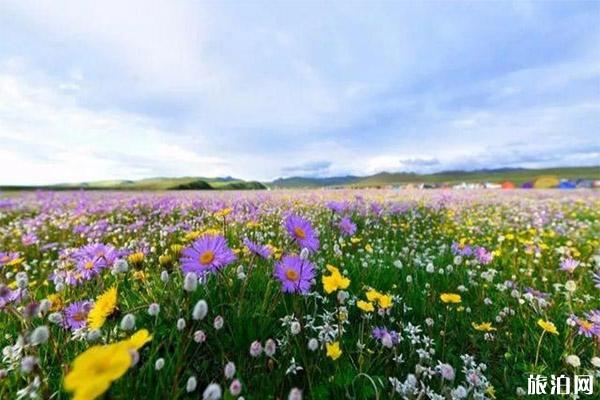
point(299, 232)
point(587, 325)
point(291, 275)
point(207, 257)
point(89, 265)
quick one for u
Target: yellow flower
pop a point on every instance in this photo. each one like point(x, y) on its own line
point(355, 240)
point(104, 306)
point(483, 327)
point(95, 369)
point(139, 276)
point(450, 298)
point(334, 281)
point(373, 295)
point(176, 248)
point(333, 350)
point(547, 326)
point(139, 339)
point(368, 248)
point(164, 259)
point(136, 258)
point(56, 302)
point(385, 301)
point(223, 212)
point(366, 306)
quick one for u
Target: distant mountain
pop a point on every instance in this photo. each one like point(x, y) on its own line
point(299, 182)
point(161, 183)
point(517, 175)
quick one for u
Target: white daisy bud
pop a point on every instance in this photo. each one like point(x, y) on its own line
point(295, 327)
point(199, 337)
point(39, 335)
point(270, 347)
point(93, 335)
point(212, 392)
point(128, 322)
point(55, 318)
point(190, 282)
point(200, 310)
point(573, 360)
point(229, 370)
point(313, 344)
point(191, 384)
point(235, 388)
point(164, 277)
point(295, 394)
point(180, 324)
point(218, 322)
point(153, 309)
point(256, 349)
point(596, 362)
point(159, 364)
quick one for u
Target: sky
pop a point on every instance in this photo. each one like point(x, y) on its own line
point(95, 90)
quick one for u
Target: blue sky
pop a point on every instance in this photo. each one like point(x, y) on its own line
point(258, 90)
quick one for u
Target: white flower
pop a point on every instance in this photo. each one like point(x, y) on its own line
point(229, 370)
point(190, 283)
point(200, 310)
point(295, 394)
point(39, 335)
point(128, 322)
point(270, 347)
point(153, 309)
point(199, 337)
point(164, 276)
point(256, 349)
point(212, 392)
point(180, 324)
point(218, 322)
point(295, 327)
point(573, 360)
point(313, 344)
point(159, 364)
point(571, 286)
point(596, 362)
point(235, 388)
point(191, 384)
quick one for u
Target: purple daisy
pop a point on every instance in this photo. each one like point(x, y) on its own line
point(76, 314)
point(483, 256)
point(208, 253)
point(596, 279)
point(295, 274)
point(347, 227)
point(302, 232)
point(261, 251)
point(7, 295)
point(382, 334)
point(569, 265)
point(89, 266)
point(8, 257)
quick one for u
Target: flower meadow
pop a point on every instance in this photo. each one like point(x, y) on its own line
point(328, 294)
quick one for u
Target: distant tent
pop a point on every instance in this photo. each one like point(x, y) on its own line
point(565, 184)
point(546, 182)
point(508, 185)
point(527, 185)
point(584, 184)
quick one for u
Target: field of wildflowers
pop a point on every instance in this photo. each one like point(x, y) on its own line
point(297, 294)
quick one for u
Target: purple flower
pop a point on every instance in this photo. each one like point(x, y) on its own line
point(89, 266)
point(208, 253)
point(6, 257)
point(261, 251)
point(295, 274)
point(302, 232)
point(347, 227)
point(76, 314)
point(569, 265)
point(8, 295)
point(383, 335)
point(446, 371)
point(483, 256)
point(596, 279)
